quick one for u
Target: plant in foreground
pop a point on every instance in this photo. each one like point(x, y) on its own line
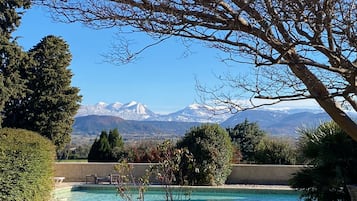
point(167, 172)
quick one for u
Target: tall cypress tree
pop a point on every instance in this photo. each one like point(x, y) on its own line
point(51, 102)
point(107, 148)
point(100, 150)
point(12, 57)
point(116, 144)
point(115, 139)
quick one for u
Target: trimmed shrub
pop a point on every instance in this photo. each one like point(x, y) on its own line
point(212, 151)
point(26, 166)
point(272, 150)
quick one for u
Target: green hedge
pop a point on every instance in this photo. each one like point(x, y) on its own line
point(26, 166)
point(212, 151)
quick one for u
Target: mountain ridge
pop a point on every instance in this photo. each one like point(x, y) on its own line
point(98, 117)
point(138, 111)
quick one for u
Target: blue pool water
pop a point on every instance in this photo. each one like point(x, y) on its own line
point(155, 195)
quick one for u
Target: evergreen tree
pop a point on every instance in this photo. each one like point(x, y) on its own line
point(12, 57)
point(100, 150)
point(246, 136)
point(50, 102)
point(115, 139)
point(116, 144)
point(93, 152)
point(107, 148)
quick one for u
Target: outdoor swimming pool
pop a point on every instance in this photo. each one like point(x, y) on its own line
point(87, 194)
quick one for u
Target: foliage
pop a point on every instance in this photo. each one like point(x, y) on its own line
point(175, 167)
point(115, 139)
point(141, 152)
point(12, 57)
point(126, 192)
point(26, 166)
point(116, 143)
point(167, 172)
point(106, 148)
point(300, 49)
point(332, 156)
point(212, 150)
point(275, 151)
point(76, 152)
point(246, 137)
point(35, 86)
point(50, 102)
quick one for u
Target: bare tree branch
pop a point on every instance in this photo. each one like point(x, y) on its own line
point(304, 49)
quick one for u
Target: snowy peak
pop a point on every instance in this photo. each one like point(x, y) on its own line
point(115, 106)
point(136, 107)
point(194, 113)
point(138, 111)
point(128, 111)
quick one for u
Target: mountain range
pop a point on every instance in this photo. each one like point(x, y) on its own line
point(139, 112)
point(135, 119)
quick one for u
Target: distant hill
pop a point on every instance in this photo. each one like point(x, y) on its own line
point(274, 122)
point(94, 124)
point(279, 122)
point(135, 119)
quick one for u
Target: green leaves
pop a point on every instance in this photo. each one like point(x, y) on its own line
point(212, 150)
point(246, 136)
point(332, 156)
point(26, 166)
point(107, 148)
point(50, 102)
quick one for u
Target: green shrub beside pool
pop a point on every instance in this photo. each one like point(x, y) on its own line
point(26, 166)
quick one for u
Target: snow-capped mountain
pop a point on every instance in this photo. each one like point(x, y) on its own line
point(275, 122)
point(195, 113)
point(129, 111)
point(137, 111)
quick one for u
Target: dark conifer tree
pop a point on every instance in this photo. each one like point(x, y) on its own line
point(12, 57)
point(93, 152)
point(116, 144)
point(107, 148)
point(50, 102)
point(246, 136)
point(100, 150)
point(115, 139)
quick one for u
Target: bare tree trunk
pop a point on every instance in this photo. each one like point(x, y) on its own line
point(320, 93)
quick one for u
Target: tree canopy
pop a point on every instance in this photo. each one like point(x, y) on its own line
point(301, 49)
point(108, 148)
point(246, 136)
point(50, 102)
point(212, 150)
point(11, 54)
point(331, 157)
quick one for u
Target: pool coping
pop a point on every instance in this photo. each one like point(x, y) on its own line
point(69, 186)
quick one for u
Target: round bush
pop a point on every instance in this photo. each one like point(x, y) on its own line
point(275, 151)
point(26, 166)
point(212, 150)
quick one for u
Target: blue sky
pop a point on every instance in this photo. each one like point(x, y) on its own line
point(162, 78)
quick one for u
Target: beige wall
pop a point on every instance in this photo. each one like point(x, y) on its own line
point(241, 174)
point(262, 174)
